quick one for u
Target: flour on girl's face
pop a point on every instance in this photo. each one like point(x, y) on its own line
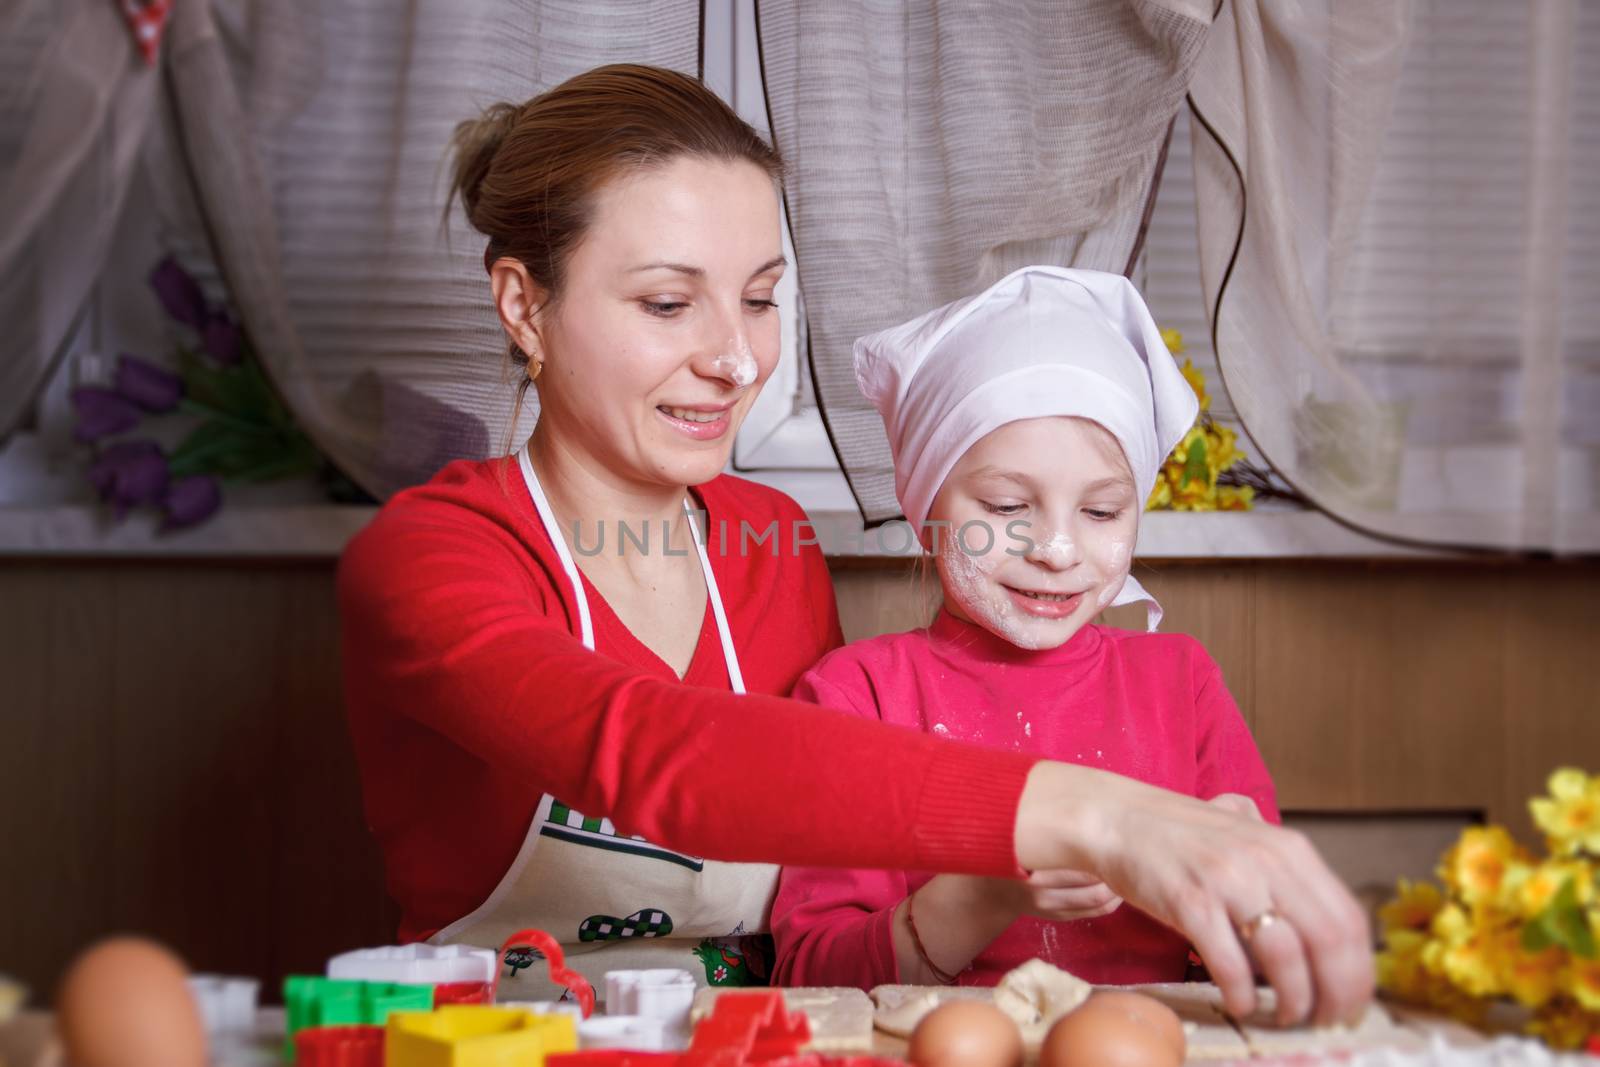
point(737, 363)
point(1057, 550)
point(1121, 557)
point(1066, 481)
point(968, 581)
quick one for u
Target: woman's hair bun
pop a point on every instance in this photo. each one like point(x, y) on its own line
point(473, 147)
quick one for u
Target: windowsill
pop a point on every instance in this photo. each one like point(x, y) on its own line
point(298, 530)
point(313, 531)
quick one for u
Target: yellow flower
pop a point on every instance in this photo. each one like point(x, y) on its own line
point(1535, 887)
point(1478, 866)
point(1570, 816)
point(1532, 977)
point(1400, 968)
point(1221, 452)
point(1235, 497)
point(1173, 340)
point(1563, 1024)
point(1160, 496)
point(1413, 908)
point(1583, 982)
point(1197, 381)
point(1450, 925)
point(1475, 964)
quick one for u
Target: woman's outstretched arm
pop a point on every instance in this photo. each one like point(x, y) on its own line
point(445, 624)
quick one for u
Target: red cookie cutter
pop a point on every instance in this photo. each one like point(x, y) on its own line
point(339, 1046)
point(555, 959)
point(746, 1028)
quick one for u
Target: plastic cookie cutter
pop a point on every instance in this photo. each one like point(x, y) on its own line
point(642, 1032)
point(555, 959)
point(227, 1004)
point(339, 1046)
point(547, 1007)
point(616, 1057)
point(475, 1035)
point(315, 1001)
point(460, 974)
point(666, 994)
point(747, 1028)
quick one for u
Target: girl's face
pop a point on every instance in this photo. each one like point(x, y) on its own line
point(1042, 517)
point(665, 330)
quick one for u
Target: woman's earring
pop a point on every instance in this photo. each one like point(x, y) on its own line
point(535, 366)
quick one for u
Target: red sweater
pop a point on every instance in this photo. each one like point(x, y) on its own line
point(1149, 706)
point(470, 694)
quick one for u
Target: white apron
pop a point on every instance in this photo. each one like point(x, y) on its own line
point(616, 901)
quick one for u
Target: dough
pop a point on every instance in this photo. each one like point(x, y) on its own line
point(1034, 995)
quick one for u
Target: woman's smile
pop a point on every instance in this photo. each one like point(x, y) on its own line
point(701, 423)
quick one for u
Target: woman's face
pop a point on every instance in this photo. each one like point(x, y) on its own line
point(1042, 517)
point(665, 329)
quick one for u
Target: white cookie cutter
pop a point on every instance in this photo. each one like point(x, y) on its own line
point(665, 993)
point(642, 1032)
point(546, 1007)
point(416, 964)
point(227, 1004)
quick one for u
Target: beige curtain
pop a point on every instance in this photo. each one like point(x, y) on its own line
point(935, 146)
point(1400, 242)
point(76, 102)
point(315, 135)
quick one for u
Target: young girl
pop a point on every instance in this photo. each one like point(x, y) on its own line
point(1028, 424)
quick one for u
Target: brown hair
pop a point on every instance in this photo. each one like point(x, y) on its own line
point(527, 173)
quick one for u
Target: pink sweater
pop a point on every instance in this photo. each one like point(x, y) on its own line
point(1149, 706)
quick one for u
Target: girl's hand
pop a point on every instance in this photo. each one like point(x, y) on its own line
point(1237, 803)
point(1065, 895)
point(1211, 875)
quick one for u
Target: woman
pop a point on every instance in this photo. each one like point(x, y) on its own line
point(601, 750)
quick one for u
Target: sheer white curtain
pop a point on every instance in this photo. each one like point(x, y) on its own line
point(935, 146)
point(315, 135)
point(1400, 241)
point(76, 102)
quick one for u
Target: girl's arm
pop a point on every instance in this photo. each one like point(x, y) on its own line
point(1226, 756)
point(835, 926)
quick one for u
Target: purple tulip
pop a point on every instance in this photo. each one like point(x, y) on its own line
point(128, 474)
point(222, 340)
point(153, 388)
point(190, 501)
point(102, 412)
point(179, 293)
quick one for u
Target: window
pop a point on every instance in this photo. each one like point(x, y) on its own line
point(783, 442)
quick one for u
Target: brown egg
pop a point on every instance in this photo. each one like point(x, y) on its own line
point(966, 1033)
point(1116, 1029)
point(125, 1002)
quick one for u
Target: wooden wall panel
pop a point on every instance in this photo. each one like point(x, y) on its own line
point(1550, 683)
point(176, 763)
point(56, 769)
point(192, 666)
point(884, 598)
point(1379, 685)
point(328, 893)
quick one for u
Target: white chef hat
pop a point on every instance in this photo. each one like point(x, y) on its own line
point(1041, 341)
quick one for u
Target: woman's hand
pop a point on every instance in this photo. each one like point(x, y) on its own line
point(1210, 873)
